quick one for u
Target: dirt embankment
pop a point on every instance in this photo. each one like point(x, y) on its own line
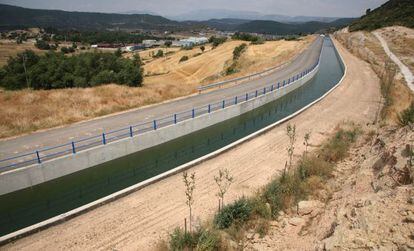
point(369, 206)
point(137, 221)
point(397, 96)
point(27, 110)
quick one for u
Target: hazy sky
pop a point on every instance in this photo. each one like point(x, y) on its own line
point(341, 8)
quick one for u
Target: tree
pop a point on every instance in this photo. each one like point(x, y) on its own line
point(118, 53)
point(291, 133)
point(306, 141)
point(202, 48)
point(367, 11)
point(168, 43)
point(189, 182)
point(159, 54)
point(223, 181)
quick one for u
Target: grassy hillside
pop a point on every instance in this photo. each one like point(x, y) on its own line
point(393, 12)
point(12, 16)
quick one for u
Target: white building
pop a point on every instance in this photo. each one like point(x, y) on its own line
point(191, 41)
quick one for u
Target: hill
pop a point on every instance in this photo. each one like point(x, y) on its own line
point(13, 16)
point(393, 12)
point(277, 28)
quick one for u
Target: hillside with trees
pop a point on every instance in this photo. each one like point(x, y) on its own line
point(393, 12)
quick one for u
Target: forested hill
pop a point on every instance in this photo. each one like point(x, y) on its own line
point(393, 12)
point(13, 16)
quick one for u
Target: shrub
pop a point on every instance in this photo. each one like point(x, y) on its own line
point(238, 51)
point(237, 212)
point(183, 58)
point(202, 239)
point(407, 116)
point(314, 166)
point(42, 45)
point(337, 147)
point(159, 54)
point(216, 41)
point(245, 37)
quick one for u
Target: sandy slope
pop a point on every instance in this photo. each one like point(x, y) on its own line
point(136, 221)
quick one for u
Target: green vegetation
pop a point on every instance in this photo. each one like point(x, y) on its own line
point(43, 45)
point(393, 12)
point(236, 212)
point(159, 54)
point(183, 58)
point(406, 117)
point(247, 37)
point(202, 239)
point(238, 51)
point(216, 41)
point(55, 70)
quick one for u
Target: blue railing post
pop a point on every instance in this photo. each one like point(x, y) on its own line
point(175, 118)
point(235, 100)
point(264, 90)
point(209, 108)
point(271, 88)
point(155, 124)
point(103, 139)
point(131, 132)
point(38, 157)
point(284, 81)
point(73, 147)
point(278, 85)
point(192, 113)
point(256, 93)
point(224, 102)
point(247, 96)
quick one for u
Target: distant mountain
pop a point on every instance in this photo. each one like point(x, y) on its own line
point(208, 14)
point(12, 16)
point(273, 27)
point(393, 12)
point(131, 12)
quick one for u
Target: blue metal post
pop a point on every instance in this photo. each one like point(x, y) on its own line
point(175, 118)
point(264, 90)
point(224, 102)
point(38, 157)
point(155, 124)
point(103, 139)
point(271, 88)
point(235, 100)
point(73, 147)
point(284, 81)
point(192, 113)
point(278, 85)
point(209, 108)
point(256, 93)
point(131, 132)
point(247, 96)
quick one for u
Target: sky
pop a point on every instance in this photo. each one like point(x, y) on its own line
point(327, 8)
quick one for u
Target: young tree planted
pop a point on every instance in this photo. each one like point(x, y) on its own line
point(223, 181)
point(189, 182)
point(306, 141)
point(291, 133)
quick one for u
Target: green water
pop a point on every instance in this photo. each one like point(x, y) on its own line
point(32, 205)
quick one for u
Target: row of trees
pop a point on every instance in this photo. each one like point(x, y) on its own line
point(55, 70)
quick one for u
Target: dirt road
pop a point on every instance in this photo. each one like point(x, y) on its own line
point(137, 221)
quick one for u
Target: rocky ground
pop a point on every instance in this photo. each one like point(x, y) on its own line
point(367, 205)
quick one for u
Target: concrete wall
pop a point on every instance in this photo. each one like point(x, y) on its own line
point(35, 174)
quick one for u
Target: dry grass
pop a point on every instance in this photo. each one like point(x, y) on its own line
point(9, 48)
point(27, 110)
point(367, 47)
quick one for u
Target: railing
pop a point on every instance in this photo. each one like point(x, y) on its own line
point(41, 155)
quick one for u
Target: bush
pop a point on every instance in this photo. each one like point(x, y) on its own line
point(159, 54)
point(238, 51)
point(183, 58)
point(337, 147)
point(42, 45)
point(216, 41)
point(202, 239)
point(55, 70)
point(407, 116)
point(237, 212)
point(245, 37)
point(314, 166)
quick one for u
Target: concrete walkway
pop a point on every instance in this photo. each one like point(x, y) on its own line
point(408, 75)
